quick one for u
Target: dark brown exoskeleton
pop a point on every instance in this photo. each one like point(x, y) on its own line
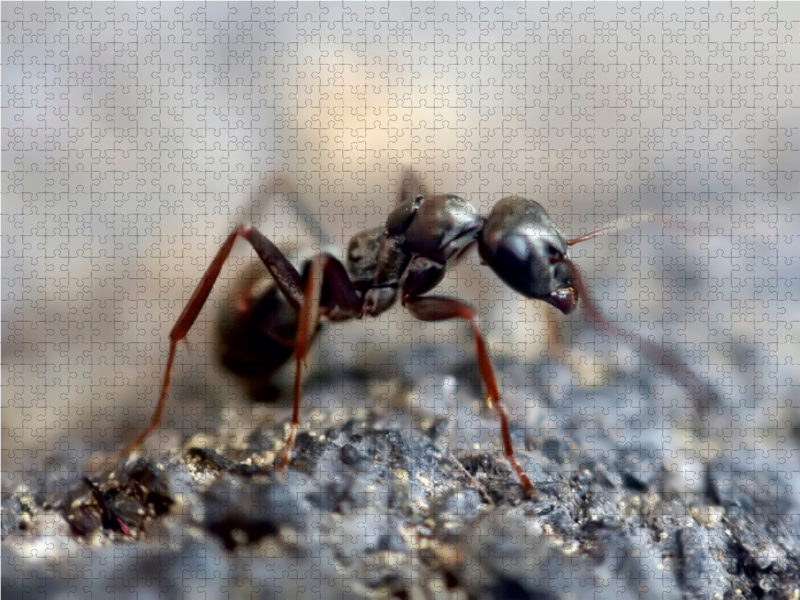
point(406, 258)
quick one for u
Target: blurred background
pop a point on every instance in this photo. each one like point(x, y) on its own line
point(137, 136)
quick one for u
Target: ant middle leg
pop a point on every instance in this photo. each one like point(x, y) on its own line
point(329, 292)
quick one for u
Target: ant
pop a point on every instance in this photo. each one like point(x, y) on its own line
point(405, 258)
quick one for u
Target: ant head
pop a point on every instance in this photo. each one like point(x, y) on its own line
point(522, 245)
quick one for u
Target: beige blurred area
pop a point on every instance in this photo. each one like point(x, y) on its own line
point(123, 173)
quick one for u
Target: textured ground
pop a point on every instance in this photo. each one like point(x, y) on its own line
point(394, 505)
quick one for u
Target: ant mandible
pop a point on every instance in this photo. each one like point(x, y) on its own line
point(406, 257)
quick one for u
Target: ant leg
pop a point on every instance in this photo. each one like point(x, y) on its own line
point(286, 278)
point(701, 392)
point(323, 270)
point(439, 308)
point(309, 315)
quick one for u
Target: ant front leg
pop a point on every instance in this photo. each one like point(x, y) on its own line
point(439, 308)
point(701, 392)
point(286, 278)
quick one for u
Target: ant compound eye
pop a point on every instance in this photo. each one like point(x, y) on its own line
point(562, 273)
point(554, 255)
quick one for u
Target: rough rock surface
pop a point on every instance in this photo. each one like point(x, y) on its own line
point(383, 507)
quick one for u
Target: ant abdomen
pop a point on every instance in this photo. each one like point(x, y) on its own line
point(257, 343)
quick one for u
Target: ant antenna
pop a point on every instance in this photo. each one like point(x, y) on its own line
point(630, 224)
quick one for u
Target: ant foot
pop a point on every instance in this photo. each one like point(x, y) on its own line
point(527, 486)
point(286, 453)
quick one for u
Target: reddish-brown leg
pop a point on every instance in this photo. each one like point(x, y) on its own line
point(286, 278)
point(701, 392)
point(323, 269)
point(309, 313)
point(439, 308)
